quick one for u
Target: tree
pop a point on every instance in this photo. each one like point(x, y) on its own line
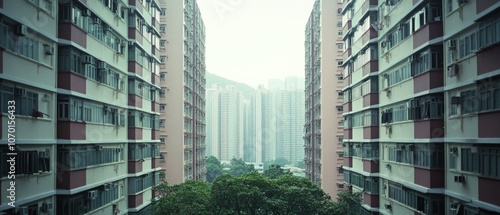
point(278, 161)
point(189, 198)
point(275, 171)
point(348, 203)
point(214, 169)
point(239, 167)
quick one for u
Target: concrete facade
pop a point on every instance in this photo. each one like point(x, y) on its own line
point(183, 66)
point(323, 135)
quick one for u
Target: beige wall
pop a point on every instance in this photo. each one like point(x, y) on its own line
point(329, 96)
point(174, 96)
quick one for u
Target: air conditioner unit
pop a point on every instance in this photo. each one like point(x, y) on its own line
point(21, 30)
point(459, 179)
point(455, 100)
point(383, 44)
point(454, 150)
point(87, 59)
point(388, 206)
point(92, 194)
point(96, 21)
point(44, 154)
point(48, 49)
point(451, 44)
point(46, 207)
point(86, 12)
point(453, 70)
point(20, 92)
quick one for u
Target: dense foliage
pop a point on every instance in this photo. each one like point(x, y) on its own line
point(251, 194)
point(214, 169)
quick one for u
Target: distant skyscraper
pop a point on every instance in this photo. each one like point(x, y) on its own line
point(262, 124)
point(225, 118)
point(231, 124)
point(290, 120)
point(213, 121)
point(249, 130)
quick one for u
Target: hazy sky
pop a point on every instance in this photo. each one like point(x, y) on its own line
point(251, 41)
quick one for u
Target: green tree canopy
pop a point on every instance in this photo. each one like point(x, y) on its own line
point(278, 161)
point(253, 194)
point(214, 169)
point(275, 171)
point(239, 167)
point(191, 197)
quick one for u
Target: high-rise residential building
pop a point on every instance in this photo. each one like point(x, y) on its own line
point(290, 125)
point(84, 80)
point(231, 124)
point(262, 102)
point(213, 120)
point(225, 115)
point(361, 127)
point(438, 100)
point(323, 100)
point(184, 86)
point(471, 82)
point(249, 130)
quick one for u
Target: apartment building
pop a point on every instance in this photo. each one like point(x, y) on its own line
point(183, 69)
point(472, 102)
point(323, 101)
point(225, 114)
point(437, 100)
point(361, 99)
point(85, 80)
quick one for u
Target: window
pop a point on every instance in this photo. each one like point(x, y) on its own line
point(48, 6)
point(490, 162)
point(449, 4)
point(469, 103)
point(371, 185)
point(80, 203)
point(82, 156)
point(139, 151)
point(399, 75)
point(469, 160)
point(489, 95)
point(26, 101)
point(140, 183)
point(23, 45)
point(163, 11)
point(163, 28)
point(370, 151)
point(340, 33)
point(427, 203)
point(428, 107)
point(27, 162)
